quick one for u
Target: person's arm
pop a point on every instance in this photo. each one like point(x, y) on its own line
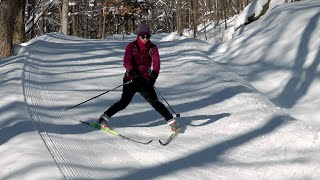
point(156, 66)
point(127, 59)
point(155, 60)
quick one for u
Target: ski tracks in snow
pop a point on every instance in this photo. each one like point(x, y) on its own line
point(232, 130)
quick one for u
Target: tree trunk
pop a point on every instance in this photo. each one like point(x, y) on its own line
point(75, 18)
point(100, 21)
point(31, 10)
point(8, 10)
point(190, 14)
point(179, 18)
point(224, 6)
point(217, 14)
point(19, 35)
point(64, 16)
point(194, 10)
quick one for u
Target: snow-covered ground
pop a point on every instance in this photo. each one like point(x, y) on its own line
point(247, 106)
point(280, 56)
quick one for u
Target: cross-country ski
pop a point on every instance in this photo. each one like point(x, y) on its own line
point(95, 125)
point(171, 137)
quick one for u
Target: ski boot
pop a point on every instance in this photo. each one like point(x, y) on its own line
point(173, 124)
point(103, 121)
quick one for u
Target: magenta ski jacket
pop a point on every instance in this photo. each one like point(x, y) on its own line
point(141, 58)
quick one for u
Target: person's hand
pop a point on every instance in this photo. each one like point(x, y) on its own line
point(151, 81)
point(137, 78)
point(153, 77)
point(134, 74)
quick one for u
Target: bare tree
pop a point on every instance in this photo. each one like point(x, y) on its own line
point(97, 18)
point(8, 11)
point(64, 16)
point(179, 17)
point(194, 7)
point(19, 35)
point(224, 7)
point(31, 14)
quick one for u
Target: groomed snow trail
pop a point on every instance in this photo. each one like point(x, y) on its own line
point(232, 130)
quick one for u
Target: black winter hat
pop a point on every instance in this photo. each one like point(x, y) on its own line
point(143, 29)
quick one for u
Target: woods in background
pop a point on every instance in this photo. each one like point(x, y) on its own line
point(23, 20)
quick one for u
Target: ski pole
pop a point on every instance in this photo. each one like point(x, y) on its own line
point(97, 96)
point(177, 115)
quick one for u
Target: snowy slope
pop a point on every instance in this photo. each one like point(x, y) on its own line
point(232, 130)
point(280, 56)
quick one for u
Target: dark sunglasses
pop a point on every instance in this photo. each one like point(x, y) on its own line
point(145, 36)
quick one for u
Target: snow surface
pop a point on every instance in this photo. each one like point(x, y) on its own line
point(280, 56)
point(255, 8)
point(246, 106)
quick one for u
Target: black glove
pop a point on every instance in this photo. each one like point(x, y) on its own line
point(137, 78)
point(134, 74)
point(153, 77)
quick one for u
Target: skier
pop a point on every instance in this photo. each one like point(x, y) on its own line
point(139, 57)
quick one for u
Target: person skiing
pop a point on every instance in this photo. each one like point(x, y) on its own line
point(140, 55)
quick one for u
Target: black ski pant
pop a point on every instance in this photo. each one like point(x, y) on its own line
point(149, 94)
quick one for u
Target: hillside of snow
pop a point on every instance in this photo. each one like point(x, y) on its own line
point(280, 56)
point(238, 103)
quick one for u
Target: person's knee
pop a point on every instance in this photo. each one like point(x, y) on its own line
point(151, 100)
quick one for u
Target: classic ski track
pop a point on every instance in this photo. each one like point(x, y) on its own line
point(128, 147)
point(43, 97)
point(86, 148)
point(26, 73)
point(56, 154)
point(53, 144)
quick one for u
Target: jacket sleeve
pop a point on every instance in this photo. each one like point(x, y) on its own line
point(127, 59)
point(155, 59)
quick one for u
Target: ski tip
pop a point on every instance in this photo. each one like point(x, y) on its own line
point(140, 142)
point(149, 141)
point(160, 142)
point(163, 144)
